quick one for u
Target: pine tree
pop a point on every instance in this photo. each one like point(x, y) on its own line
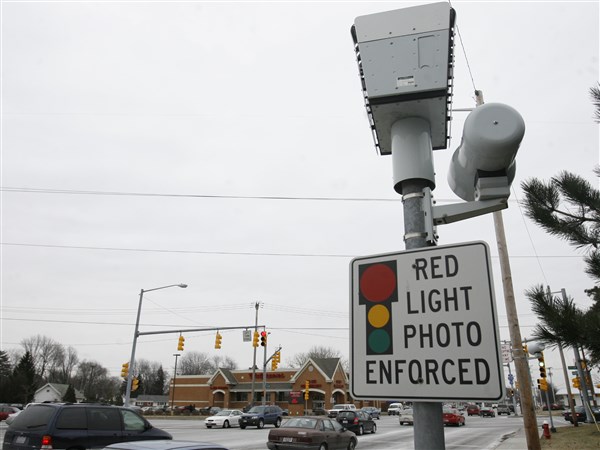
point(24, 379)
point(70, 395)
point(5, 378)
point(568, 206)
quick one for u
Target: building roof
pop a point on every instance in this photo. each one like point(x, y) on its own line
point(61, 390)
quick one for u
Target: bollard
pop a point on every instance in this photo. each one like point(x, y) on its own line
point(546, 429)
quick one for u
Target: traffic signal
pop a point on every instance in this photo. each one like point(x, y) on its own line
point(135, 384)
point(576, 382)
point(255, 339)
point(306, 389)
point(542, 365)
point(263, 338)
point(218, 339)
point(542, 384)
point(180, 344)
point(377, 291)
point(125, 370)
point(525, 350)
point(275, 361)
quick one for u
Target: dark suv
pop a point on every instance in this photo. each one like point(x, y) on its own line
point(77, 426)
point(258, 416)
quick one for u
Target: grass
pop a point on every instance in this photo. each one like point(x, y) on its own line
point(583, 437)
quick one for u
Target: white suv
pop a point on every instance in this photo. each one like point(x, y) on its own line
point(333, 412)
point(394, 409)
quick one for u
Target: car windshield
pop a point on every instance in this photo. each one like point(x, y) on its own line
point(300, 422)
point(257, 410)
point(346, 414)
point(405, 412)
point(225, 412)
point(338, 406)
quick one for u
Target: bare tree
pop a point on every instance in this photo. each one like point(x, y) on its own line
point(195, 363)
point(316, 351)
point(45, 352)
point(91, 379)
point(225, 362)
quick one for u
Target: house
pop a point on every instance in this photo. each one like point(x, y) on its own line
point(54, 392)
point(151, 400)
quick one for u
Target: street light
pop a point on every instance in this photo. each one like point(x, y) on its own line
point(135, 336)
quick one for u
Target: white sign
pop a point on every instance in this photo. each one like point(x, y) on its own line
point(424, 325)
point(506, 353)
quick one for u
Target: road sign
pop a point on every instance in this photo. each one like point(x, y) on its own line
point(424, 325)
point(506, 353)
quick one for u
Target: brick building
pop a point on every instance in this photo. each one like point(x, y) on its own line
point(328, 385)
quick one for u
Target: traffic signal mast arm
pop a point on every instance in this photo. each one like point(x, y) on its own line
point(190, 330)
point(275, 353)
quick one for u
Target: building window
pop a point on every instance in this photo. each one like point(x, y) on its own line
point(282, 396)
point(241, 396)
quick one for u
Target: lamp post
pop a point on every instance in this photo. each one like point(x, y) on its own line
point(135, 336)
point(176, 355)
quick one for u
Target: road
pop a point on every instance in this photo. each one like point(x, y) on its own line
point(479, 433)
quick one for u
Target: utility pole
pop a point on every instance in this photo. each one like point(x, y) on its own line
point(176, 355)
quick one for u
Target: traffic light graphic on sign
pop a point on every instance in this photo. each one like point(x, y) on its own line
point(377, 291)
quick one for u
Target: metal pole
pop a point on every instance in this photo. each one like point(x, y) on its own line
point(135, 336)
point(254, 355)
point(176, 355)
point(582, 389)
point(264, 380)
point(514, 397)
point(428, 419)
point(567, 382)
point(550, 413)
point(132, 358)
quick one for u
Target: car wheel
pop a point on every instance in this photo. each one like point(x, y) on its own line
point(209, 426)
point(374, 429)
point(261, 424)
point(226, 424)
point(243, 427)
point(351, 444)
point(278, 422)
point(361, 431)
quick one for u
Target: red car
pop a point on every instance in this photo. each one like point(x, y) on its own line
point(453, 417)
point(473, 410)
point(6, 411)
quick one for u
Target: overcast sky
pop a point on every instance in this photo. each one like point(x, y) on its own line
point(225, 145)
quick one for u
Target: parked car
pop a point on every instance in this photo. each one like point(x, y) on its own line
point(259, 416)
point(311, 432)
point(473, 410)
point(165, 445)
point(406, 416)
point(6, 410)
point(374, 412)
point(487, 411)
point(580, 414)
point(394, 409)
point(554, 407)
point(503, 409)
point(77, 425)
point(452, 416)
point(333, 412)
point(226, 418)
point(209, 410)
point(319, 412)
point(357, 421)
